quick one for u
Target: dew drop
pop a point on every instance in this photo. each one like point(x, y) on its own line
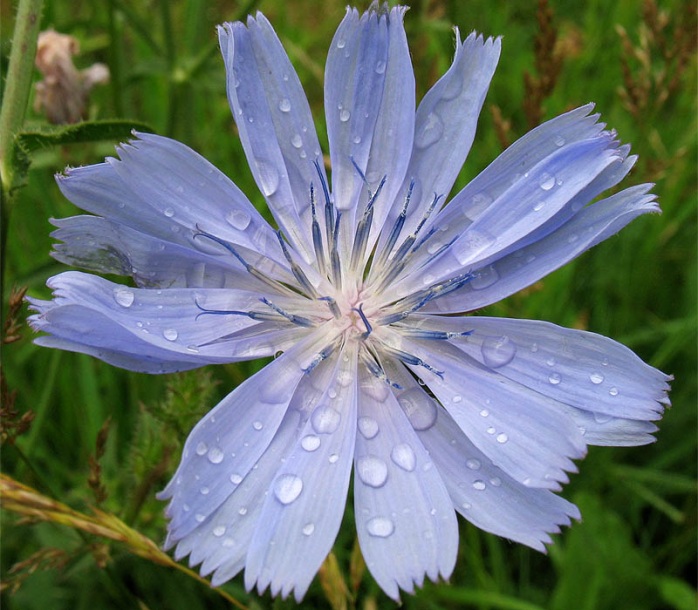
point(169, 212)
point(287, 488)
point(491, 430)
point(235, 478)
point(602, 418)
point(457, 398)
point(258, 425)
point(502, 438)
point(498, 351)
point(242, 510)
point(310, 442)
point(546, 181)
point(296, 141)
point(228, 542)
point(559, 141)
point(344, 115)
point(325, 420)
point(285, 105)
point(204, 491)
point(466, 505)
point(201, 449)
point(380, 67)
point(496, 482)
point(215, 455)
point(357, 140)
point(333, 458)
point(124, 296)
point(238, 219)
point(403, 455)
point(539, 206)
point(341, 43)
point(268, 178)
point(419, 408)
point(430, 132)
point(170, 334)
point(200, 518)
point(473, 464)
point(380, 527)
point(479, 485)
point(613, 391)
point(555, 378)
point(596, 378)
point(218, 531)
point(308, 529)
point(484, 278)
point(484, 413)
point(368, 427)
point(372, 470)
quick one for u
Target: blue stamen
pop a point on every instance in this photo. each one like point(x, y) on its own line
point(297, 271)
point(317, 235)
point(332, 304)
point(299, 320)
point(364, 319)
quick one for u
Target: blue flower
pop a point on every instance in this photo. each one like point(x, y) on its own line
point(355, 294)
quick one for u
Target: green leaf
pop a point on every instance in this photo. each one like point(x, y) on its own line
point(677, 593)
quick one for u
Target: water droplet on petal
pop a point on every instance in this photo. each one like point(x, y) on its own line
point(308, 529)
point(613, 391)
point(502, 438)
point(539, 206)
point(310, 442)
point(258, 425)
point(296, 141)
point(344, 115)
point(124, 296)
point(201, 449)
point(496, 482)
point(372, 470)
point(498, 351)
point(169, 212)
point(235, 478)
point(380, 527)
point(602, 418)
point(430, 132)
point(546, 181)
point(457, 398)
point(491, 430)
point(242, 510)
point(325, 420)
point(238, 219)
point(200, 518)
point(484, 413)
point(333, 458)
point(559, 141)
point(473, 464)
point(419, 408)
point(215, 455)
point(287, 488)
point(268, 178)
point(341, 43)
point(380, 67)
point(555, 378)
point(285, 105)
point(484, 278)
point(204, 491)
point(479, 485)
point(368, 427)
point(218, 531)
point(403, 455)
point(596, 378)
point(170, 334)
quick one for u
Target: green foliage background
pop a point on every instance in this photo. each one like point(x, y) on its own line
point(636, 545)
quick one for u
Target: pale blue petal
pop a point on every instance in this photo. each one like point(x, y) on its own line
point(445, 127)
point(524, 267)
point(520, 430)
point(405, 520)
point(303, 511)
point(163, 188)
point(274, 123)
point(484, 494)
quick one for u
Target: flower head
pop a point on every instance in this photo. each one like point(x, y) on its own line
point(432, 412)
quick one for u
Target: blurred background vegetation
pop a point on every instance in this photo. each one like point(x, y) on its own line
point(89, 435)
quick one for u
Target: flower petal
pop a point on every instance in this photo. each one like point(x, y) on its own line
point(526, 266)
point(302, 515)
point(445, 128)
point(484, 494)
point(163, 188)
point(521, 431)
point(369, 105)
point(275, 124)
point(404, 517)
point(578, 368)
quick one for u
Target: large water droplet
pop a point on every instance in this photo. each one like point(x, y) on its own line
point(296, 141)
point(238, 219)
point(372, 470)
point(502, 438)
point(479, 485)
point(419, 408)
point(268, 178)
point(201, 448)
point(285, 105)
point(403, 455)
point(287, 488)
point(218, 531)
point(546, 181)
point(596, 378)
point(368, 427)
point(344, 115)
point(215, 455)
point(484, 278)
point(170, 334)
point(124, 296)
point(380, 527)
point(235, 478)
point(430, 132)
point(310, 442)
point(498, 351)
point(325, 420)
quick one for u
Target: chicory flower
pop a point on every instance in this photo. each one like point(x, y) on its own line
point(355, 294)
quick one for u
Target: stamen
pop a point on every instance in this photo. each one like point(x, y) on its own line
point(317, 236)
point(332, 304)
point(254, 315)
point(363, 229)
point(299, 320)
point(439, 335)
point(371, 362)
point(297, 271)
point(323, 354)
point(334, 256)
point(364, 319)
point(397, 228)
point(329, 208)
point(412, 360)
